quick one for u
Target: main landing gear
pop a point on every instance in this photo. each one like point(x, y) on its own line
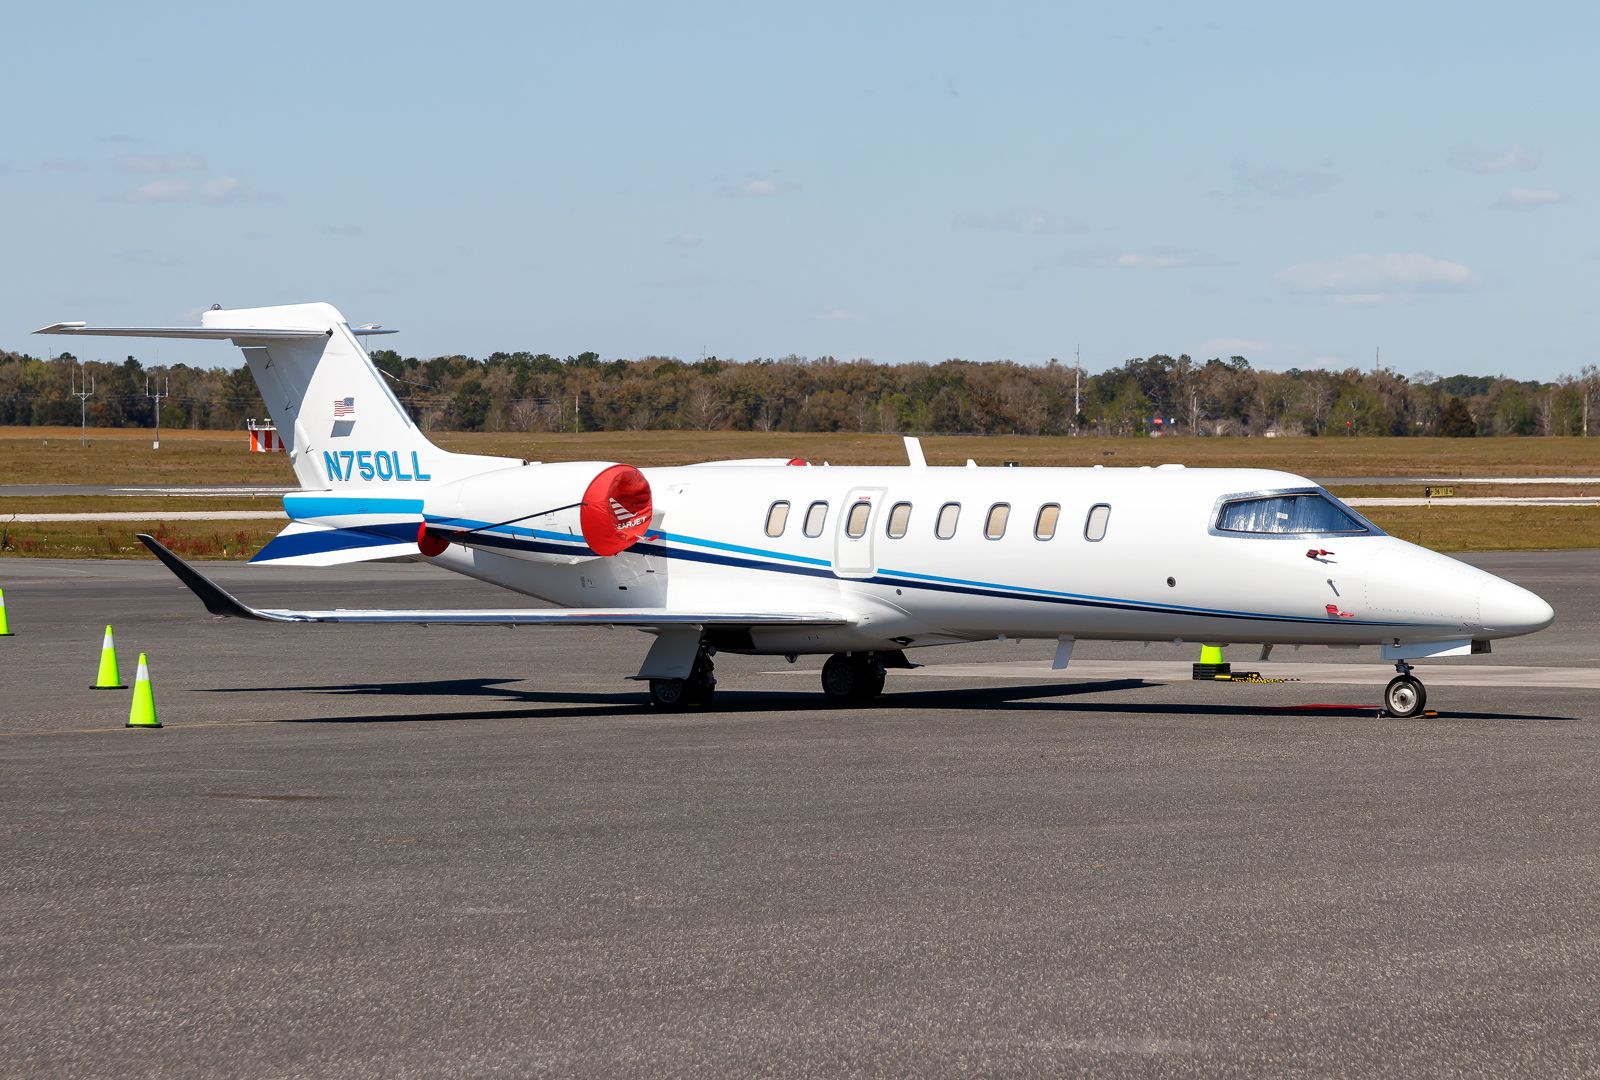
point(851, 678)
point(697, 689)
point(1405, 695)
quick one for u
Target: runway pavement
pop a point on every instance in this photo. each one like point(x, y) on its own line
point(398, 851)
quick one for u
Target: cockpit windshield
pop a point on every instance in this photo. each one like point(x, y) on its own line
point(1308, 513)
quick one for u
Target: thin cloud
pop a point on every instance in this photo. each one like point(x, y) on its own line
point(147, 257)
point(758, 187)
point(679, 281)
point(172, 189)
point(684, 240)
point(64, 165)
point(837, 315)
point(1365, 280)
point(1155, 258)
point(155, 163)
point(349, 232)
point(116, 138)
point(1480, 159)
point(1521, 198)
point(1281, 183)
point(1036, 221)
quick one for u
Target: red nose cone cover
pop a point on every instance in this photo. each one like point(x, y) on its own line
point(616, 509)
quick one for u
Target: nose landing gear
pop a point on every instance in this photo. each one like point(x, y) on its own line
point(1405, 695)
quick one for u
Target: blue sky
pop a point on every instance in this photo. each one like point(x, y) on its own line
point(1297, 183)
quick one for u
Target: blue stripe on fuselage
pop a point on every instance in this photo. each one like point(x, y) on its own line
point(321, 541)
point(806, 566)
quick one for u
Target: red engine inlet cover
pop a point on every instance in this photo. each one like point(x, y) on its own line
point(430, 544)
point(616, 509)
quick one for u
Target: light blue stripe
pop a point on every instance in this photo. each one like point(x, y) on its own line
point(1017, 591)
point(741, 549)
point(315, 506)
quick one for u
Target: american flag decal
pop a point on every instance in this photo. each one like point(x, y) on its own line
point(345, 407)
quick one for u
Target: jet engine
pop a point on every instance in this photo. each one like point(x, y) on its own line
point(563, 512)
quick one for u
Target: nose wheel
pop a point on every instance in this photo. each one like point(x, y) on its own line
point(1405, 695)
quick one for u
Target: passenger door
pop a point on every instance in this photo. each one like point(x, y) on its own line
point(856, 530)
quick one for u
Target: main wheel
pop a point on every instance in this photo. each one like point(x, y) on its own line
point(669, 694)
point(1404, 696)
point(702, 682)
point(869, 676)
point(840, 679)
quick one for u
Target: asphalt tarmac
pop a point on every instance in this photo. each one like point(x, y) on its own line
point(375, 851)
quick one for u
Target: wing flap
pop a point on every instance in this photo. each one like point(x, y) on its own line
point(219, 601)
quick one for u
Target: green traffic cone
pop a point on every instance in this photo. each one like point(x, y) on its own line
point(110, 678)
point(5, 627)
point(143, 713)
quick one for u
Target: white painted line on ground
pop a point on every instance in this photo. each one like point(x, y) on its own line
point(203, 492)
point(1376, 675)
point(1489, 500)
point(154, 515)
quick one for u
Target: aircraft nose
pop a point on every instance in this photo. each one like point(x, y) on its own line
point(1507, 609)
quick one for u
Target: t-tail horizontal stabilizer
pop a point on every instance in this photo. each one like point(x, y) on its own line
point(219, 601)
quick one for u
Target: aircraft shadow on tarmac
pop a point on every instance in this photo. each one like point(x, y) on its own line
point(559, 704)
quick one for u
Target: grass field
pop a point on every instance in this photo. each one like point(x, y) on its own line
point(236, 540)
point(1455, 528)
point(125, 457)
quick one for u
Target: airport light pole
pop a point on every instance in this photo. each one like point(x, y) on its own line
point(82, 393)
point(163, 390)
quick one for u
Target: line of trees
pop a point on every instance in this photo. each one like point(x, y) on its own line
point(539, 392)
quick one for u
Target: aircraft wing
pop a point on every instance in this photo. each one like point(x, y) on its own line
point(197, 333)
point(219, 601)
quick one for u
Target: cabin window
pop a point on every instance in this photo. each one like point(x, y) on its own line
point(855, 525)
point(1280, 515)
point(1044, 526)
point(777, 518)
point(945, 526)
point(994, 526)
point(816, 518)
point(1094, 528)
point(899, 520)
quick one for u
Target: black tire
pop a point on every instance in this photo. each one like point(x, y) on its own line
point(702, 682)
point(870, 677)
point(700, 691)
point(1404, 697)
point(669, 694)
point(840, 679)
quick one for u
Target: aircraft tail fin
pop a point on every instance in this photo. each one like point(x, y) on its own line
point(341, 424)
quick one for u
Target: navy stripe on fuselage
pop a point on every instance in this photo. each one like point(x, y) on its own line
point(661, 548)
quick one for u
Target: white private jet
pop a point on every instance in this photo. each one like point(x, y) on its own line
point(767, 557)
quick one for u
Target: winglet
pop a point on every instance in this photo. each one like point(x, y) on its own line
point(217, 600)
